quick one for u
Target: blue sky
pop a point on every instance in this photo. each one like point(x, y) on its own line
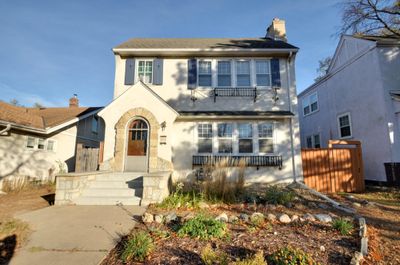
point(52, 49)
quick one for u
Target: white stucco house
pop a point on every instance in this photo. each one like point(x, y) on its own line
point(182, 104)
point(40, 142)
point(358, 99)
point(179, 102)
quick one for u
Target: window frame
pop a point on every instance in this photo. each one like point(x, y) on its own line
point(245, 138)
point(350, 126)
point(236, 72)
point(319, 140)
point(225, 137)
point(272, 138)
point(269, 74)
point(137, 69)
point(308, 104)
point(36, 142)
point(201, 137)
point(95, 119)
point(199, 74)
point(230, 74)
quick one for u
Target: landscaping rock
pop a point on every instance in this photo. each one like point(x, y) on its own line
point(147, 218)
point(284, 218)
point(203, 205)
point(322, 248)
point(356, 204)
point(270, 206)
point(325, 218)
point(288, 205)
point(256, 216)
point(271, 217)
point(312, 205)
point(233, 219)
point(159, 218)
point(188, 216)
point(171, 217)
point(309, 217)
point(295, 218)
point(350, 197)
point(223, 217)
point(244, 217)
point(299, 206)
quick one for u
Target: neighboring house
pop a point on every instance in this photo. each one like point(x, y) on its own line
point(39, 142)
point(359, 99)
point(179, 102)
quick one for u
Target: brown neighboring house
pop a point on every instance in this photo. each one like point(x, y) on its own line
point(39, 142)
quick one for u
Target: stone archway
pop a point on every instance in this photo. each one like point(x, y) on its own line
point(121, 134)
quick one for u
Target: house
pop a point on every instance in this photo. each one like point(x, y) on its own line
point(181, 105)
point(39, 142)
point(357, 99)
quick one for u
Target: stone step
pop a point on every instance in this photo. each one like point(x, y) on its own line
point(110, 192)
point(116, 184)
point(120, 176)
point(101, 200)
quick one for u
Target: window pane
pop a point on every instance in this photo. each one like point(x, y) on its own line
point(243, 67)
point(265, 130)
point(306, 110)
point(30, 142)
point(262, 67)
point(344, 121)
point(263, 80)
point(204, 80)
point(314, 106)
point(224, 67)
point(243, 80)
point(204, 67)
point(204, 130)
point(313, 98)
point(266, 145)
point(50, 145)
point(225, 130)
point(41, 144)
point(245, 145)
point(224, 80)
point(245, 130)
point(224, 145)
point(205, 146)
point(317, 143)
point(345, 131)
point(309, 142)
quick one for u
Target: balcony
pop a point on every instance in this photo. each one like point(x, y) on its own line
point(250, 92)
point(233, 161)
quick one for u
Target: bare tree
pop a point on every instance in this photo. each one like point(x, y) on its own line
point(371, 17)
point(38, 105)
point(14, 102)
point(323, 67)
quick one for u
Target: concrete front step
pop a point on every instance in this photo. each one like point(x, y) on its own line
point(110, 192)
point(116, 184)
point(120, 176)
point(102, 200)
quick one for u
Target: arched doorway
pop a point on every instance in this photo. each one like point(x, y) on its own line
point(137, 146)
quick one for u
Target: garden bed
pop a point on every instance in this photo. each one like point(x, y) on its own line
point(293, 224)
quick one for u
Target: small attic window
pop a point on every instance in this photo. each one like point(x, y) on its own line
point(95, 124)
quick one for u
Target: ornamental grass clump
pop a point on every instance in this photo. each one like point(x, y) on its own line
point(291, 256)
point(343, 226)
point(203, 227)
point(138, 246)
point(278, 195)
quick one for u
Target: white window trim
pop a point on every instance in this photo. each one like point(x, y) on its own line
point(36, 144)
point(197, 138)
point(252, 137)
point(137, 69)
point(273, 138)
point(251, 74)
point(350, 125)
point(233, 60)
point(307, 98)
point(225, 138)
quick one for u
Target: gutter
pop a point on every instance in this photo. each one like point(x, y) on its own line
point(5, 130)
point(291, 119)
point(230, 117)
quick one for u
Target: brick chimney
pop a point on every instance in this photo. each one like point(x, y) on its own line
point(277, 30)
point(74, 101)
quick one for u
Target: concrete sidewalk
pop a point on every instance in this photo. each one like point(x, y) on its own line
point(79, 235)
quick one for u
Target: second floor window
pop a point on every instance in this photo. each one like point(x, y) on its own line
point(95, 124)
point(243, 73)
point(310, 104)
point(205, 73)
point(224, 74)
point(263, 73)
point(225, 138)
point(145, 71)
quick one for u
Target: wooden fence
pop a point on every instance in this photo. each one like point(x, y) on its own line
point(87, 159)
point(338, 168)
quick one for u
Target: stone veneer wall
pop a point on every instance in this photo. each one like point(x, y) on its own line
point(117, 163)
point(156, 187)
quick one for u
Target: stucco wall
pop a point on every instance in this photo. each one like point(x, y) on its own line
point(174, 90)
point(358, 90)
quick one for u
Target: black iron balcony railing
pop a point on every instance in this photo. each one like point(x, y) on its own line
point(250, 92)
point(249, 161)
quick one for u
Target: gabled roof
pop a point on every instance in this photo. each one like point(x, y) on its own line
point(381, 40)
point(204, 43)
point(41, 118)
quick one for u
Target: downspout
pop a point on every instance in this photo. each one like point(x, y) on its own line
point(290, 119)
point(5, 130)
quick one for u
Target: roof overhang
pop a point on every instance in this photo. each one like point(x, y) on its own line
point(233, 115)
point(202, 52)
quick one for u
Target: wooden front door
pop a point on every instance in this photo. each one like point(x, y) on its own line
point(136, 157)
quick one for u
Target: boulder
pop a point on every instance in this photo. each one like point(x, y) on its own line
point(325, 218)
point(271, 217)
point(171, 217)
point(256, 216)
point(159, 218)
point(223, 217)
point(233, 219)
point(147, 218)
point(284, 218)
point(203, 205)
point(187, 217)
point(295, 218)
point(244, 217)
point(309, 217)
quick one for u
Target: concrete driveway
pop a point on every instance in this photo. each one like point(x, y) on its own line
point(65, 235)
